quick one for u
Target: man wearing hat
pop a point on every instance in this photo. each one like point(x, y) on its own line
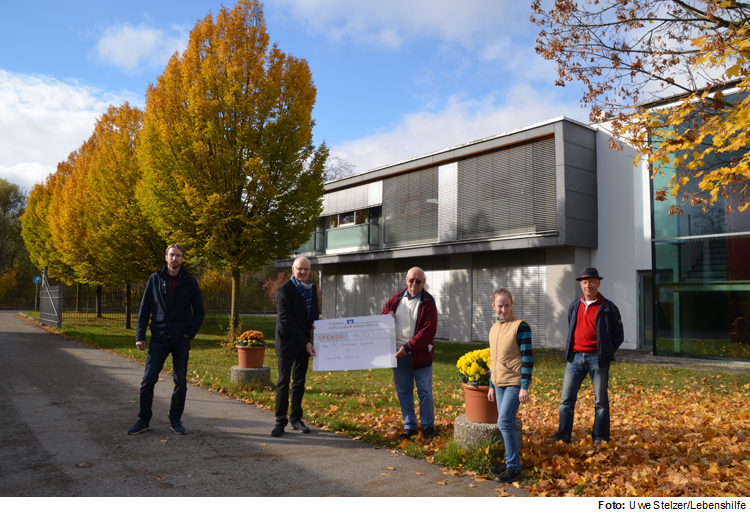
point(594, 334)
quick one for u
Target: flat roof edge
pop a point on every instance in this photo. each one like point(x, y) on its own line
point(373, 172)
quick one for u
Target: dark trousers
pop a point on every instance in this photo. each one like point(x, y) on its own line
point(157, 354)
point(294, 368)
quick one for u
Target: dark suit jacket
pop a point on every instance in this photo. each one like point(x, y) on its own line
point(292, 324)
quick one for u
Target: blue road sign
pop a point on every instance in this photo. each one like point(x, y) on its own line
point(37, 279)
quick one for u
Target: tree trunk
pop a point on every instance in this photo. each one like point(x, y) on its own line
point(128, 298)
point(99, 301)
point(234, 318)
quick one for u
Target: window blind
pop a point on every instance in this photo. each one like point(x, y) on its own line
point(524, 273)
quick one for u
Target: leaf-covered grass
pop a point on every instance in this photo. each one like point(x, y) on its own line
point(675, 431)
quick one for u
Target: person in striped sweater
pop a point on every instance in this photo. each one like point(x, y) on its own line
point(511, 366)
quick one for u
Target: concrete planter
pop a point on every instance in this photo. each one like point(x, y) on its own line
point(470, 435)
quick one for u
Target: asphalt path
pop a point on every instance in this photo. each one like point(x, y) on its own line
point(65, 409)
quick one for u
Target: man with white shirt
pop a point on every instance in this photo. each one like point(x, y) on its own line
point(416, 324)
point(594, 334)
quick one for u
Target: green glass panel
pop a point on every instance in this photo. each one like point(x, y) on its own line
point(308, 246)
point(374, 234)
point(346, 237)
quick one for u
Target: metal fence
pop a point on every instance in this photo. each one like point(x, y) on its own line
point(82, 303)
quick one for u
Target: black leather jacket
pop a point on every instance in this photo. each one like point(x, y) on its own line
point(171, 317)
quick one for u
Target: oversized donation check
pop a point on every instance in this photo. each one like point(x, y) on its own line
point(355, 343)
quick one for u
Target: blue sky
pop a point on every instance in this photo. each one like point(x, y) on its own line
point(395, 78)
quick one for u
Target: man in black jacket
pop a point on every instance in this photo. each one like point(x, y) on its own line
point(173, 301)
point(594, 334)
point(297, 309)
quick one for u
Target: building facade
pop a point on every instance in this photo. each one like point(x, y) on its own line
point(526, 210)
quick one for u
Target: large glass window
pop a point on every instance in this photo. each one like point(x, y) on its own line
point(703, 297)
point(350, 218)
point(694, 220)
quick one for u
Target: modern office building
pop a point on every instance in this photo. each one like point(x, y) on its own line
point(526, 210)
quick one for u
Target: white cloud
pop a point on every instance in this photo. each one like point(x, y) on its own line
point(460, 121)
point(133, 48)
point(42, 120)
point(389, 23)
point(25, 174)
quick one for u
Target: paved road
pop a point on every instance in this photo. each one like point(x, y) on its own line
point(65, 409)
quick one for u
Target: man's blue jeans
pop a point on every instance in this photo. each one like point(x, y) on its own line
point(157, 354)
point(404, 378)
point(507, 408)
point(584, 364)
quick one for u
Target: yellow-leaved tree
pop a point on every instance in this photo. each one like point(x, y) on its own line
point(69, 209)
point(230, 168)
point(122, 244)
point(35, 226)
point(630, 55)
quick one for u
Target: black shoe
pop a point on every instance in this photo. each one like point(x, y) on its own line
point(555, 440)
point(409, 432)
point(177, 428)
point(140, 426)
point(496, 471)
point(299, 426)
point(278, 429)
point(429, 433)
point(508, 475)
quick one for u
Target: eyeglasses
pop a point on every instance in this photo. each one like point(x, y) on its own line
point(302, 269)
point(414, 281)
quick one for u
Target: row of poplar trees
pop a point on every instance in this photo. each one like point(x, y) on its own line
point(222, 161)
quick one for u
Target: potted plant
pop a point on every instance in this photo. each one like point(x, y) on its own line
point(251, 349)
point(474, 374)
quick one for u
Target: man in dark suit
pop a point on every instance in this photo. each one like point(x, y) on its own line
point(297, 309)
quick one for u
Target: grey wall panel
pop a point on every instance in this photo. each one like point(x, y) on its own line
point(580, 157)
point(577, 134)
point(581, 206)
point(582, 233)
point(581, 181)
point(447, 202)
